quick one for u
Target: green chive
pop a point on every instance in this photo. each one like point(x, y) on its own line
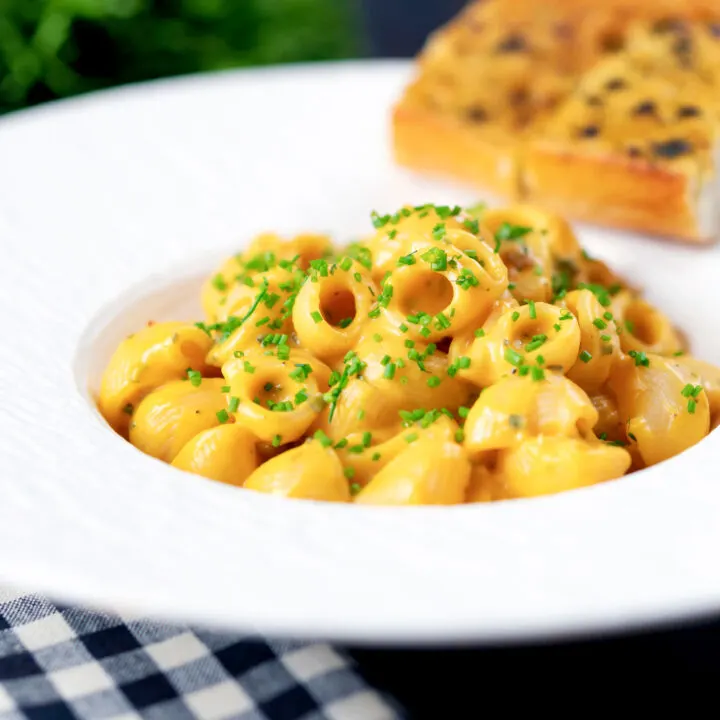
point(316, 316)
point(222, 416)
point(585, 356)
point(233, 404)
point(513, 357)
point(640, 358)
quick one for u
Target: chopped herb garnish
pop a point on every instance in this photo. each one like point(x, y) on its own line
point(408, 259)
point(515, 316)
point(479, 333)
point(509, 232)
point(248, 367)
point(439, 231)
point(640, 358)
point(433, 381)
point(585, 356)
point(513, 357)
point(322, 438)
point(195, 377)
point(459, 435)
point(276, 441)
point(436, 258)
point(233, 404)
point(300, 397)
point(692, 404)
point(412, 437)
point(349, 472)
point(442, 322)
point(222, 416)
point(389, 371)
point(537, 341)
point(599, 324)
point(467, 279)
point(218, 282)
point(533, 311)
point(601, 293)
point(537, 373)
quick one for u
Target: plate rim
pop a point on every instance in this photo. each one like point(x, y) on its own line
point(464, 627)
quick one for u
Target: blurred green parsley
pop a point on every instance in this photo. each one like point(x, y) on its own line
point(58, 48)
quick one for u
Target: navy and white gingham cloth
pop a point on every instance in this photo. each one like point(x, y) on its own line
point(59, 663)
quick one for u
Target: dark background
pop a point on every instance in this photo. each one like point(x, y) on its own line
point(58, 48)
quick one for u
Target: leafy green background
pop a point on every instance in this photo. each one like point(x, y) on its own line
point(58, 48)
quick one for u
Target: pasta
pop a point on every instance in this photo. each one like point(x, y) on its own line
point(454, 356)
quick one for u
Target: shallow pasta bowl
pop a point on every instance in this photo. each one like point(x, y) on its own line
point(112, 209)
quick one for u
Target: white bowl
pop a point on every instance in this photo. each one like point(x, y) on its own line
point(112, 207)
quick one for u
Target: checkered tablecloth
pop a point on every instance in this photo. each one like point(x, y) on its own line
point(59, 662)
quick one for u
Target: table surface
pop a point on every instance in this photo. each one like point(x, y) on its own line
point(427, 682)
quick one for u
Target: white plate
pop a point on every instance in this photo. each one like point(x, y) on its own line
point(111, 209)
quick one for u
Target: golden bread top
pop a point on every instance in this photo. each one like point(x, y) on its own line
point(508, 65)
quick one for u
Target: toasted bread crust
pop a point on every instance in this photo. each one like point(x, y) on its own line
point(613, 190)
point(440, 144)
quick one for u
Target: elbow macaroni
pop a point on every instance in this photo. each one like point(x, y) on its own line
point(451, 358)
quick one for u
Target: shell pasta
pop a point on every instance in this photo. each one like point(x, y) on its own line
point(453, 356)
